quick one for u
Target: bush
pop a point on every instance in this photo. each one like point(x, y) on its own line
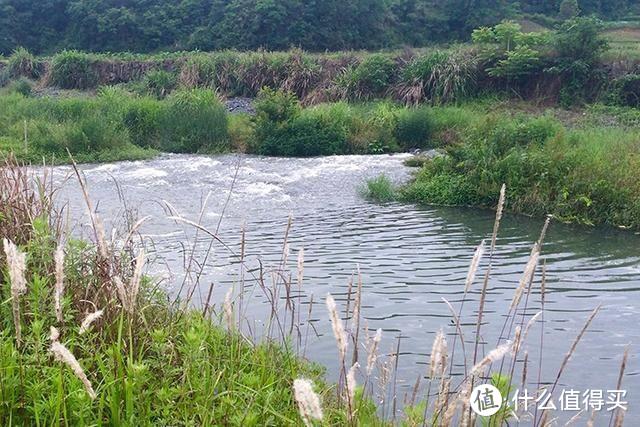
point(21, 86)
point(283, 129)
point(626, 90)
point(23, 64)
point(71, 69)
point(160, 83)
point(195, 120)
point(379, 189)
point(414, 128)
point(568, 9)
point(371, 78)
point(142, 118)
point(438, 77)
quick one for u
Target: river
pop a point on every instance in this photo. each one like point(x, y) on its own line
point(409, 257)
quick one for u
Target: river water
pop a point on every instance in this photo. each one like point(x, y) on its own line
point(409, 257)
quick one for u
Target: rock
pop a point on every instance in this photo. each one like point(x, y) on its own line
point(240, 105)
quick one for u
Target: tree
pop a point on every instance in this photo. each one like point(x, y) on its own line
point(568, 9)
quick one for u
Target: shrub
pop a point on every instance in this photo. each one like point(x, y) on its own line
point(379, 189)
point(73, 70)
point(21, 86)
point(438, 77)
point(568, 9)
point(142, 118)
point(23, 64)
point(194, 120)
point(283, 129)
point(371, 78)
point(160, 83)
point(414, 128)
point(626, 90)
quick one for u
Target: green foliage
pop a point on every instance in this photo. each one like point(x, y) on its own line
point(72, 70)
point(626, 90)
point(379, 189)
point(438, 77)
point(21, 86)
point(585, 175)
point(579, 46)
point(511, 53)
point(195, 120)
point(579, 40)
point(503, 384)
point(283, 129)
point(371, 78)
point(568, 9)
point(157, 25)
point(414, 128)
point(143, 119)
point(517, 63)
point(160, 83)
point(23, 64)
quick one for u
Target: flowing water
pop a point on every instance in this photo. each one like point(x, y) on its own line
point(409, 258)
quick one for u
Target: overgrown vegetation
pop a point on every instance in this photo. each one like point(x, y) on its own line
point(111, 126)
point(566, 65)
point(586, 174)
point(90, 340)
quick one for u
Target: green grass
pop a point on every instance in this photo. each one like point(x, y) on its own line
point(379, 189)
point(115, 125)
point(586, 173)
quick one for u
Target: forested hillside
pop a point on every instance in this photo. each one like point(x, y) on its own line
point(45, 26)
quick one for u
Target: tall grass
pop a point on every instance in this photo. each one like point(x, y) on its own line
point(585, 174)
point(144, 359)
point(114, 125)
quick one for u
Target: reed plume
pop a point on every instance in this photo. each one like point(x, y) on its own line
point(527, 276)
point(473, 267)
point(439, 355)
point(493, 356)
point(351, 388)
point(372, 355)
point(338, 328)
point(62, 354)
point(308, 401)
point(228, 310)
point(499, 211)
point(16, 264)
point(88, 321)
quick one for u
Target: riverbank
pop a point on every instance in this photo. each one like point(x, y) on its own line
point(577, 167)
point(88, 338)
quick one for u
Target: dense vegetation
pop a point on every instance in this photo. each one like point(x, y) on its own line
point(573, 64)
point(584, 172)
point(152, 25)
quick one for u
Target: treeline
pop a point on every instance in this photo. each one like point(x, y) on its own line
point(45, 26)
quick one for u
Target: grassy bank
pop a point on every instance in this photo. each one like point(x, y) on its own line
point(580, 167)
point(87, 339)
point(571, 64)
point(114, 125)
point(117, 125)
